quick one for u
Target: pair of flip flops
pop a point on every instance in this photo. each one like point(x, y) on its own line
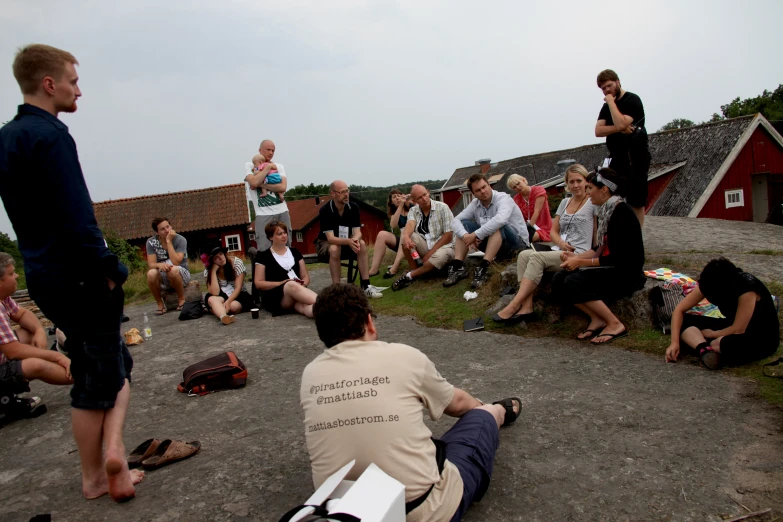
point(597, 333)
point(511, 415)
point(155, 453)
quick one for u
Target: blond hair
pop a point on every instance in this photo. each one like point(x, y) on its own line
point(576, 168)
point(258, 158)
point(514, 179)
point(35, 62)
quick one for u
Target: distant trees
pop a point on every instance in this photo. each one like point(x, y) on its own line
point(768, 103)
point(375, 196)
point(677, 123)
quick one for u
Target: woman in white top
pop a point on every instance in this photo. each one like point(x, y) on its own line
point(225, 276)
point(281, 275)
point(572, 231)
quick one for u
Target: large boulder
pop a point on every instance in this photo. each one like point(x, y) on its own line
point(635, 311)
point(192, 293)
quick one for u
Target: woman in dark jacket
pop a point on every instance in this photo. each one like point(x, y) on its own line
point(750, 330)
point(611, 269)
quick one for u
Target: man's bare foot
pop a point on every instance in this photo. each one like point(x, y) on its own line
point(592, 329)
point(121, 479)
point(95, 490)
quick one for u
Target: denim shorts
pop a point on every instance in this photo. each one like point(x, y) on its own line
point(89, 315)
point(471, 445)
point(511, 244)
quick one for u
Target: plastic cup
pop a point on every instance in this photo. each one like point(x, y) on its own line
point(254, 313)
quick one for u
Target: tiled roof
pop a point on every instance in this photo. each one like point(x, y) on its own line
point(304, 211)
point(202, 209)
point(703, 148)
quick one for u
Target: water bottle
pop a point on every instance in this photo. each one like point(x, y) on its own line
point(416, 257)
point(147, 327)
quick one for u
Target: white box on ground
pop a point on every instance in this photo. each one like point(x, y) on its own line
point(373, 497)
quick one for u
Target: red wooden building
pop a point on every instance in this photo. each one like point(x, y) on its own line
point(306, 225)
point(204, 217)
point(732, 169)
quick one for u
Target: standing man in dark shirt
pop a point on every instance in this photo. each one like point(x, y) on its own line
point(341, 236)
point(73, 277)
point(621, 120)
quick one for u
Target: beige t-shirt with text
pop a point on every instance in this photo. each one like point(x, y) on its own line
point(363, 400)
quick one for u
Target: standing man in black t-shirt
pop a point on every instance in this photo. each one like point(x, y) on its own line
point(341, 236)
point(621, 120)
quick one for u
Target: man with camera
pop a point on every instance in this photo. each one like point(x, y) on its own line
point(621, 121)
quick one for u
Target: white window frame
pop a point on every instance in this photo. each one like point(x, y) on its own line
point(299, 237)
point(467, 197)
point(734, 198)
point(252, 236)
point(239, 243)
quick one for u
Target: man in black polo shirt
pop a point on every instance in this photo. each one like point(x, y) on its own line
point(341, 236)
point(73, 277)
point(621, 120)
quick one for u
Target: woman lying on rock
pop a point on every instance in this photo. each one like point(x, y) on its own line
point(610, 270)
point(225, 277)
point(750, 330)
point(572, 231)
point(281, 275)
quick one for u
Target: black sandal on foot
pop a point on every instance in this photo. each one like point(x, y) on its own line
point(511, 415)
point(710, 359)
point(389, 274)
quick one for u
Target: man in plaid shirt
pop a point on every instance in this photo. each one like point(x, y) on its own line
point(428, 233)
point(23, 354)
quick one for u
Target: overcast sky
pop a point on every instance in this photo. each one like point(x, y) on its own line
point(177, 95)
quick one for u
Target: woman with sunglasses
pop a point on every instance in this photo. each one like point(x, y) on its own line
point(572, 231)
point(281, 275)
point(611, 269)
point(225, 276)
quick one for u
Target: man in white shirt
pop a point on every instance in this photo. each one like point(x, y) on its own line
point(492, 223)
point(269, 207)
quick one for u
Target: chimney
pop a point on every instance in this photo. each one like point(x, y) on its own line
point(562, 165)
point(317, 201)
point(484, 165)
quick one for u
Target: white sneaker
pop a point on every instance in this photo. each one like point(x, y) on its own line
point(372, 293)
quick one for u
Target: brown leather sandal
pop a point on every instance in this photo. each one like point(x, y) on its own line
point(144, 451)
point(171, 451)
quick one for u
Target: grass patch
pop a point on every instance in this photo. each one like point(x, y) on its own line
point(439, 307)
point(767, 252)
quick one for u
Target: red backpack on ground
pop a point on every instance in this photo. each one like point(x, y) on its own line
point(221, 372)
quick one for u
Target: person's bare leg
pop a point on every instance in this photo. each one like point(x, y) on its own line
point(121, 479)
point(45, 371)
point(235, 307)
point(381, 242)
point(639, 211)
point(460, 250)
point(215, 303)
point(175, 279)
point(87, 427)
point(361, 258)
point(153, 282)
point(420, 271)
point(494, 243)
point(596, 322)
point(299, 293)
point(498, 411)
point(613, 324)
point(692, 337)
point(397, 260)
point(524, 296)
point(304, 309)
point(334, 263)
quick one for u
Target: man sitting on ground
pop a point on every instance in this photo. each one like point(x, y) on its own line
point(24, 355)
point(167, 259)
point(363, 399)
point(492, 223)
point(428, 234)
point(341, 236)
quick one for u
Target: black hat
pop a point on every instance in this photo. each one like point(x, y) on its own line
point(216, 250)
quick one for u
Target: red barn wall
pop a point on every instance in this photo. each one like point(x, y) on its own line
point(761, 154)
point(450, 197)
point(656, 187)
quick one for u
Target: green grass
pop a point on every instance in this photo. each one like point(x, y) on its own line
point(434, 306)
point(767, 252)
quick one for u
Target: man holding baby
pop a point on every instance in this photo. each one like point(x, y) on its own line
point(265, 184)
